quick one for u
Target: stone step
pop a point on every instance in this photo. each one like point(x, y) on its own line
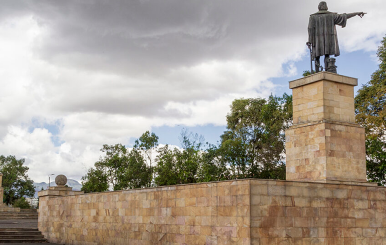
point(19, 229)
point(23, 240)
point(21, 235)
point(4, 208)
point(8, 209)
point(18, 217)
point(22, 214)
point(25, 237)
point(17, 214)
point(33, 211)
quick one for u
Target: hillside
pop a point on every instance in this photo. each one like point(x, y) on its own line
point(76, 186)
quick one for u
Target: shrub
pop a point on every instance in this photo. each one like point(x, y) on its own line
point(21, 203)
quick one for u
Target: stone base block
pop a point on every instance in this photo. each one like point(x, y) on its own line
point(326, 151)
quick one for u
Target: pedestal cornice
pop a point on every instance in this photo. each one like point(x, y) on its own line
point(326, 76)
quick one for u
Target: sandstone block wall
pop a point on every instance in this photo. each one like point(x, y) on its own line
point(256, 212)
point(209, 213)
point(326, 151)
point(285, 212)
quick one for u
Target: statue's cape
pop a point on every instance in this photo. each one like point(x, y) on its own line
point(322, 32)
point(324, 12)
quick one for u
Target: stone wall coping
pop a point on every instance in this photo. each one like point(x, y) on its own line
point(51, 193)
point(327, 76)
point(321, 184)
point(59, 191)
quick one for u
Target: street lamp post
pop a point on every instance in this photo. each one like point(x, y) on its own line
point(49, 180)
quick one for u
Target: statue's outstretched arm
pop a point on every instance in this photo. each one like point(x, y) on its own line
point(360, 14)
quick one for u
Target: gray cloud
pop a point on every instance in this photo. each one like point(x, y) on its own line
point(133, 57)
point(130, 36)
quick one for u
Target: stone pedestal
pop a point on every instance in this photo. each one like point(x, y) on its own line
point(59, 191)
point(324, 144)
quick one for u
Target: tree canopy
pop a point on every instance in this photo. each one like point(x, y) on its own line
point(122, 168)
point(251, 147)
point(16, 183)
point(179, 166)
point(370, 109)
point(95, 180)
point(254, 143)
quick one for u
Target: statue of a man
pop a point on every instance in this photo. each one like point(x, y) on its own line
point(322, 33)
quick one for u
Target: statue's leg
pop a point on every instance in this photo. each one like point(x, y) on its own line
point(317, 63)
point(326, 57)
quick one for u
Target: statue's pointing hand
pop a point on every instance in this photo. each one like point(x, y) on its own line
point(361, 14)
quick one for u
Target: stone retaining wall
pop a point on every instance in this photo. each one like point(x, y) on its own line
point(284, 212)
point(231, 212)
point(209, 213)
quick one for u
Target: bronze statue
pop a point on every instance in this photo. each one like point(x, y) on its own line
point(322, 37)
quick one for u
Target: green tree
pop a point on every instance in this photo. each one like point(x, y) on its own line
point(121, 168)
point(21, 203)
point(376, 159)
point(145, 146)
point(95, 181)
point(179, 166)
point(137, 174)
point(113, 164)
point(166, 170)
point(16, 183)
point(146, 143)
point(212, 166)
point(370, 109)
point(254, 143)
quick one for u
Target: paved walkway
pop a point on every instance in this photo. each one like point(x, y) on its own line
point(21, 223)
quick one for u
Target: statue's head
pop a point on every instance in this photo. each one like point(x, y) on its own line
point(322, 6)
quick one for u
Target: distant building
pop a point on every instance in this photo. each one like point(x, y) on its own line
point(33, 202)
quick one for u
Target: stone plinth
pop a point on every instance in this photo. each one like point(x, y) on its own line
point(59, 191)
point(324, 144)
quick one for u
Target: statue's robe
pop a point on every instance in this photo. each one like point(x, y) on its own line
point(322, 32)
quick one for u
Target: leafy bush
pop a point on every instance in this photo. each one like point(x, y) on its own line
point(21, 203)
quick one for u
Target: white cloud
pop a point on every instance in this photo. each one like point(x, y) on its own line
point(43, 158)
point(144, 64)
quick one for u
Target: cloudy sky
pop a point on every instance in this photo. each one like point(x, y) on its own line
point(77, 74)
